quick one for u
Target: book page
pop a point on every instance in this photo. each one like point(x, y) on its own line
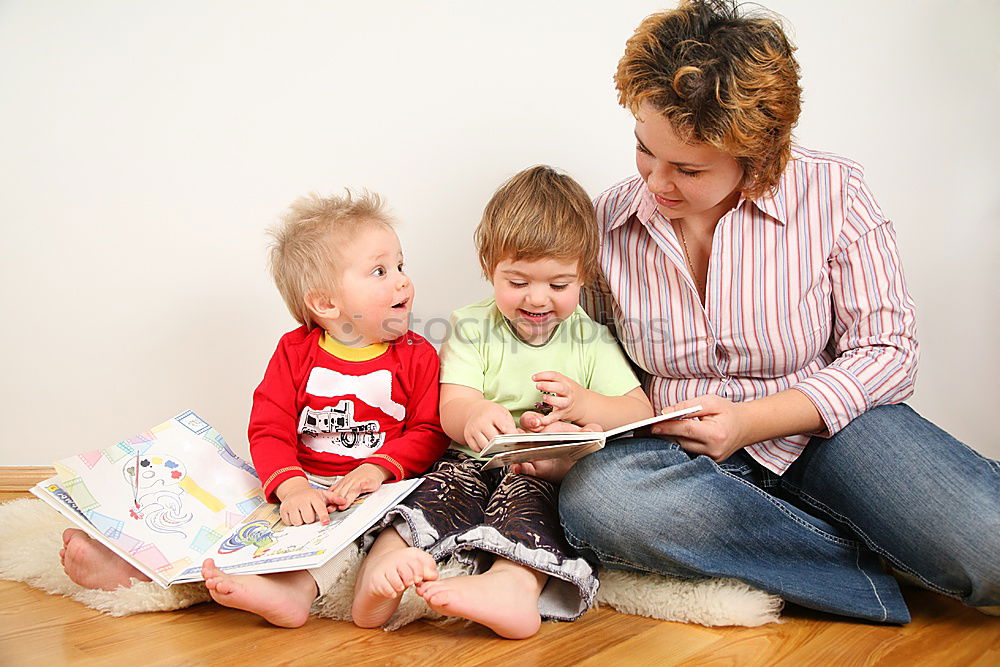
point(165, 496)
point(49, 492)
point(262, 543)
point(515, 441)
point(570, 450)
point(635, 426)
point(167, 499)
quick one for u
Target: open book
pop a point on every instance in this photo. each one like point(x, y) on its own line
point(506, 449)
point(167, 499)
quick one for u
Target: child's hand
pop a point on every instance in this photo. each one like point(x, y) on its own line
point(564, 395)
point(533, 425)
point(301, 503)
point(531, 422)
point(490, 420)
point(366, 478)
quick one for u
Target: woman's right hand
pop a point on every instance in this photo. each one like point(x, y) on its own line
point(490, 419)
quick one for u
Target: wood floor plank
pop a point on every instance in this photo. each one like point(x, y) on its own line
point(36, 628)
point(41, 629)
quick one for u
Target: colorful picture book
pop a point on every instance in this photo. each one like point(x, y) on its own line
point(167, 499)
point(507, 449)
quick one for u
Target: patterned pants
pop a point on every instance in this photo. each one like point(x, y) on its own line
point(477, 515)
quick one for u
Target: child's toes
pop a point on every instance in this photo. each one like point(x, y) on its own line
point(410, 574)
point(385, 588)
point(225, 586)
point(394, 580)
point(429, 570)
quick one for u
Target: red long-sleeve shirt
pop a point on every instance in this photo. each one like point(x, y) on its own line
point(318, 413)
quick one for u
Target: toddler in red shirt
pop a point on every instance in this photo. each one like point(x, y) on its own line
point(349, 400)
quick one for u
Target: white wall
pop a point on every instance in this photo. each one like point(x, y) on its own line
point(145, 147)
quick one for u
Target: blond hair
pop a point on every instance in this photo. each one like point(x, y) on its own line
point(720, 78)
point(539, 213)
point(305, 255)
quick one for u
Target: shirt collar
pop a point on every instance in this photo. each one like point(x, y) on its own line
point(773, 203)
point(347, 353)
point(643, 206)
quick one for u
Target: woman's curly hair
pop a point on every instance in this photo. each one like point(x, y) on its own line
point(720, 78)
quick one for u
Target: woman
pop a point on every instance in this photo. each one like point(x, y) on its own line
point(761, 281)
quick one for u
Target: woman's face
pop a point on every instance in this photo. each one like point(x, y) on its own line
point(688, 180)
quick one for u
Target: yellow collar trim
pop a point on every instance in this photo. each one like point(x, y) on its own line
point(341, 351)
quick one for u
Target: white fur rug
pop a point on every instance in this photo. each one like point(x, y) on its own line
point(29, 552)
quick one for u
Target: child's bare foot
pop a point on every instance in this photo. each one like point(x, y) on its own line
point(90, 564)
point(504, 599)
point(282, 598)
point(552, 470)
point(382, 580)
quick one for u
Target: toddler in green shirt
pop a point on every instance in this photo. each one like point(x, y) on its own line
point(528, 358)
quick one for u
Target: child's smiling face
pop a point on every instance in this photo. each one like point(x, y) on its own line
point(374, 296)
point(536, 295)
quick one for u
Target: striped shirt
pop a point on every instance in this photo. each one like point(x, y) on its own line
point(804, 290)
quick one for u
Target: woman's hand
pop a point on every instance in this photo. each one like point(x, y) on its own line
point(366, 478)
point(563, 394)
point(718, 430)
point(490, 419)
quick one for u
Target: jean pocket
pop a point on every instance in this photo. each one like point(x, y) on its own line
point(738, 464)
point(739, 469)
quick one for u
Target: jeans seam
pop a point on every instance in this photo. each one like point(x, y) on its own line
point(896, 563)
point(857, 564)
point(606, 558)
point(851, 544)
point(994, 465)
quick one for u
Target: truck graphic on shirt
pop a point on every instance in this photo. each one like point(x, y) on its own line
point(338, 420)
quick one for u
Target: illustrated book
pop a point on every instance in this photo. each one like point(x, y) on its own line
point(167, 499)
point(506, 449)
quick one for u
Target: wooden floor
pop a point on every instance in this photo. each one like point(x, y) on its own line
point(41, 629)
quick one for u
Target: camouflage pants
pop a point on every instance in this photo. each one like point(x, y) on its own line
point(478, 515)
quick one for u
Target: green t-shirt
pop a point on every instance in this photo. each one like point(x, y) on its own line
point(483, 353)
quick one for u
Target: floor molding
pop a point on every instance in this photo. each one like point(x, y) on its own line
point(22, 478)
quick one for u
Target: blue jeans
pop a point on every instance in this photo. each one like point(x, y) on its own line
point(890, 486)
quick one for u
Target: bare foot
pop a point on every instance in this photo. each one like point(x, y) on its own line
point(382, 580)
point(90, 564)
point(281, 599)
point(503, 599)
point(552, 470)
